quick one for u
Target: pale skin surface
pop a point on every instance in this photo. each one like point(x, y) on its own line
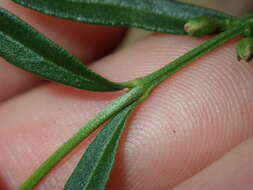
point(200, 118)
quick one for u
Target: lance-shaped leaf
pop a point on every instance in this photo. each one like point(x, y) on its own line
point(26, 48)
point(166, 16)
point(95, 167)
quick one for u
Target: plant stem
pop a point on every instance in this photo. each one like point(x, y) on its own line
point(120, 103)
point(157, 77)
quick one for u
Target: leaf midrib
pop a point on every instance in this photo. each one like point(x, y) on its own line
point(112, 4)
point(122, 122)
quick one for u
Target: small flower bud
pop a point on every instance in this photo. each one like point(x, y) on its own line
point(245, 49)
point(201, 26)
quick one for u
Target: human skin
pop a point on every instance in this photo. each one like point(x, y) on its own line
point(193, 132)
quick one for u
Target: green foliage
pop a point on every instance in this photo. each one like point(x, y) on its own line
point(26, 48)
point(156, 15)
point(94, 169)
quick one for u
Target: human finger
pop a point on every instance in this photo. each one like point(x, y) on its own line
point(187, 123)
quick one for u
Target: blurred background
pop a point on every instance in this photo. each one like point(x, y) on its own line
point(233, 7)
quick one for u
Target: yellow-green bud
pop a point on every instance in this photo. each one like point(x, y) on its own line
point(245, 49)
point(201, 26)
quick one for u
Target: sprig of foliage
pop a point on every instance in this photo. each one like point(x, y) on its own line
point(24, 47)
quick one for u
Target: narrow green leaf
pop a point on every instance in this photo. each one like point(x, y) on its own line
point(156, 15)
point(95, 167)
point(135, 94)
point(26, 48)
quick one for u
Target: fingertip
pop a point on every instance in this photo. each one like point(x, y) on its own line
point(190, 120)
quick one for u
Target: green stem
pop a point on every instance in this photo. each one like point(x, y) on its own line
point(157, 77)
point(120, 103)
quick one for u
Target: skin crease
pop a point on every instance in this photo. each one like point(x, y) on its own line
point(189, 122)
point(226, 169)
point(87, 42)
